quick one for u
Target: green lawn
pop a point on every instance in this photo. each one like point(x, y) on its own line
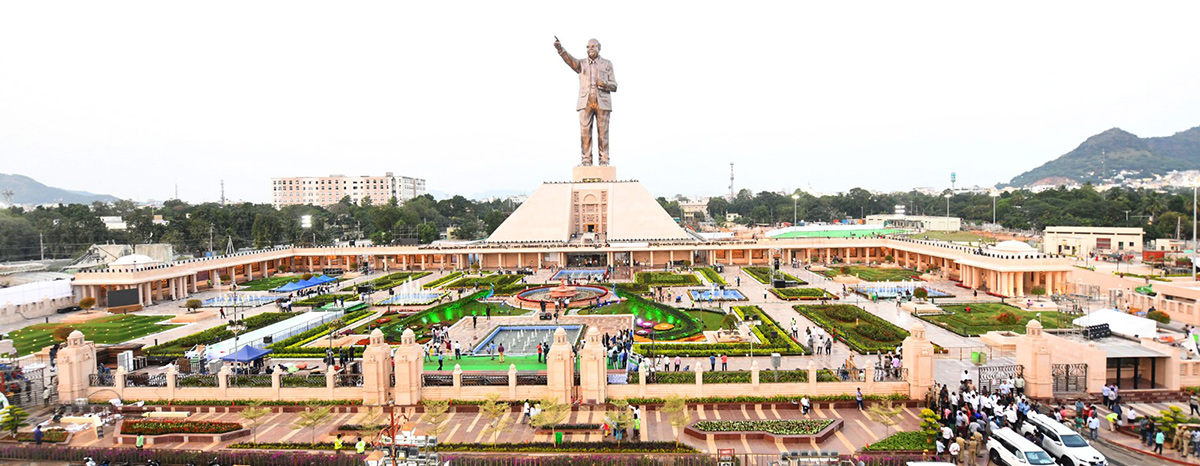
point(712, 275)
point(484, 363)
point(444, 315)
point(485, 281)
point(763, 275)
point(872, 274)
point(983, 318)
point(269, 283)
point(956, 236)
point(684, 322)
point(390, 280)
point(837, 233)
point(104, 330)
point(801, 293)
point(666, 279)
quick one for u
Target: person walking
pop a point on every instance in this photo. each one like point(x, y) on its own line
point(1194, 403)
point(678, 363)
point(501, 351)
point(858, 398)
point(1094, 426)
point(338, 442)
point(141, 441)
point(441, 359)
point(724, 362)
point(361, 446)
point(37, 435)
point(712, 360)
point(46, 396)
point(805, 405)
point(1159, 438)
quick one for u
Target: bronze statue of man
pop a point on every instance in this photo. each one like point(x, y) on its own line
point(596, 81)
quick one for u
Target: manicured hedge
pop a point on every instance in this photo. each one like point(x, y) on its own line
point(443, 280)
point(314, 402)
point(666, 279)
point(712, 275)
point(486, 281)
point(781, 343)
point(805, 294)
point(773, 426)
point(862, 331)
point(390, 281)
point(763, 275)
point(73, 455)
point(321, 300)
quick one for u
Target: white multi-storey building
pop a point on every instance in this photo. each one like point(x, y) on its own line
point(327, 190)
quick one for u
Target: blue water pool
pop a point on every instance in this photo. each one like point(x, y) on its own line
point(580, 274)
point(716, 295)
point(892, 292)
point(522, 340)
point(419, 298)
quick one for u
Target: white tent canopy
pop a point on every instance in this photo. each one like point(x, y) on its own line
point(35, 292)
point(1120, 323)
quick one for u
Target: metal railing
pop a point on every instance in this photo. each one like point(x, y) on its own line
point(145, 380)
point(101, 380)
point(196, 381)
point(888, 374)
point(481, 380)
point(437, 380)
point(300, 381)
point(250, 381)
point(349, 380)
point(531, 379)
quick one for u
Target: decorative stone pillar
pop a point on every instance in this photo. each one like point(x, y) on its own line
point(1033, 354)
point(408, 366)
point(699, 379)
point(560, 367)
point(119, 381)
point(76, 363)
point(456, 379)
point(812, 376)
point(918, 361)
point(754, 374)
point(172, 378)
point(377, 370)
point(593, 369)
point(512, 381)
point(642, 380)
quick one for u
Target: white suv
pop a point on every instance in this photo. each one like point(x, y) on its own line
point(1061, 442)
point(1008, 447)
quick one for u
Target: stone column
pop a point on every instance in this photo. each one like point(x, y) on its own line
point(593, 370)
point(918, 360)
point(172, 377)
point(76, 362)
point(377, 370)
point(560, 367)
point(754, 375)
point(1020, 283)
point(195, 283)
point(408, 368)
point(1033, 353)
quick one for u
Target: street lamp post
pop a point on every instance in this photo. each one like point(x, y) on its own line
point(795, 201)
point(948, 204)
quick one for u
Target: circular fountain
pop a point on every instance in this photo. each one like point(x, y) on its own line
point(571, 295)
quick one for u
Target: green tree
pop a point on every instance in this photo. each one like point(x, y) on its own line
point(12, 418)
point(552, 414)
point(930, 425)
point(1038, 291)
point(921, 293)
point(619, 416)
point(677, 414)
point(497, 415)
point(87, 303)
point(436, 414)
point(254, 414)
point(193, 304)
point(427, 233)
point(311, 419)
point(729, 322)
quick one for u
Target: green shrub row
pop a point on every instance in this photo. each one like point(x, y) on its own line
point(773, 426)
point(391, 280)
point(769, 399)
point(712, 275)
point(902, 441)
point(801, 293)
point(666, 279)
point(321, 300)
point(763, 275)
point(443, 279)
point(530, 447)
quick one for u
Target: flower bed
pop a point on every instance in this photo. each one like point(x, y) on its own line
point(803, 294)
point(178, 403)
point(862, 331)
point(48, 436)
point(168, 426)
point(771, 426)
point(987, 317)
point(902, 441)
point(65, 454)
point(779, 343)
point(531, 447)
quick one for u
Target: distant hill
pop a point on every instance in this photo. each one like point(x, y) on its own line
point(27, 190)
point(1107, 154)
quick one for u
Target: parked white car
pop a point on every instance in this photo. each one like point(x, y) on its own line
point(1064, 444)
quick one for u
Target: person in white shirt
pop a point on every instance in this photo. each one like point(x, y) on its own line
point(954, 450)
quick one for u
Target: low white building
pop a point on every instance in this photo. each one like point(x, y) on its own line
point(1085, 241)
point(916, 222)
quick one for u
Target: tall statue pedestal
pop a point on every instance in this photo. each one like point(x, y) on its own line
point(594, 174)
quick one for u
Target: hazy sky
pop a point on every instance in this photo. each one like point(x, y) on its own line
point(130, 98)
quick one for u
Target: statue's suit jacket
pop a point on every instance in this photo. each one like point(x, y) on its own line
point(588, 72)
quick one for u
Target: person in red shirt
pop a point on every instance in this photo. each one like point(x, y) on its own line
point(724, 362)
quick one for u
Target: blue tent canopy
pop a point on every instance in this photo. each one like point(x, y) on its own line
point(246, 354)
point(302, 284)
